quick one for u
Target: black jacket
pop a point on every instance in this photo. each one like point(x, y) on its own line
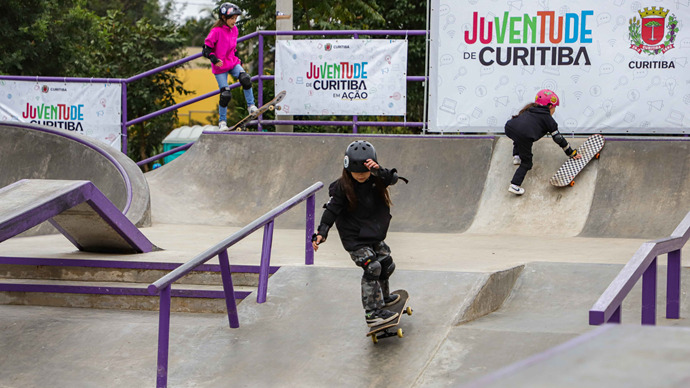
point(533, 124)
point(368, 223)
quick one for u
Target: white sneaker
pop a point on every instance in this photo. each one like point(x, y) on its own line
point(252, 109)
point(517, 160)
point(222, 126)
point(515, 189)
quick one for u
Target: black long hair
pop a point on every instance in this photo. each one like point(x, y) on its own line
point(347, 183)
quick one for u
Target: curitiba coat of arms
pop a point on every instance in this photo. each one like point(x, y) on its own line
point(652, 34)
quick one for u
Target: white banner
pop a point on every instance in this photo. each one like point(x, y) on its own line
point(342, 77)
point(617, 66)
point(90, 109)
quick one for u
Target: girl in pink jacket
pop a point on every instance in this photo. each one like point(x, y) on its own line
point(220, 46)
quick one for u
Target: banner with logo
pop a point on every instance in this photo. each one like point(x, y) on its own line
point(342, 77)
point(617, 66)
point(90, 109)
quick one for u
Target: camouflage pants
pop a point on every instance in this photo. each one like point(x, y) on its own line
point(373, 287)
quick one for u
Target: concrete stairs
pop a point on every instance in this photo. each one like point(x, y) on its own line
point(117, 285)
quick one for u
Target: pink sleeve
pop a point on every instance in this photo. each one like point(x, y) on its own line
point(211, 39)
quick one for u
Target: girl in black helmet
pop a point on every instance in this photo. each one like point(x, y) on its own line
point(360, 208)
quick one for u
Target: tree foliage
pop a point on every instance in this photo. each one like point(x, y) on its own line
point(104, 39)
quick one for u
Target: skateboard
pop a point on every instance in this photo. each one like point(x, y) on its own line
point(565, 176)
point(271, 105)
point(387, 329)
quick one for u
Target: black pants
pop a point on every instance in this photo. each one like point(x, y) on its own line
point(523, 148)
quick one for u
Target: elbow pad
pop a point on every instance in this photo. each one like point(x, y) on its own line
point(559, 139)
point(207, 52)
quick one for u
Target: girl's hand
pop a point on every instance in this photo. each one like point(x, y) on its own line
point(315, 244)
point(219, 63)
point(371, 164)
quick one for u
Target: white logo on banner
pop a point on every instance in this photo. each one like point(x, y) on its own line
point(616, 67)
point(90, 109)
point(342, 77)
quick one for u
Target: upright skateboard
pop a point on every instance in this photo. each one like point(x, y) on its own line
point(242, 124)
point(565, 176)
point(387, 329)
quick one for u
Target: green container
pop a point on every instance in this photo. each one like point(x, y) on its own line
point(181, 136)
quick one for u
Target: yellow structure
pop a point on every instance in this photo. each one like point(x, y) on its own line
point(196, 76)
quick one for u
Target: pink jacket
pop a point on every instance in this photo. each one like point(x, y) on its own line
point(223, 41)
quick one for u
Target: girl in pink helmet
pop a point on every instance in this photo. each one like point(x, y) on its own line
point(531, 124)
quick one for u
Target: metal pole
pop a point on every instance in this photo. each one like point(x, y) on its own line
point(673, 285)
point(124, 117)
point(284, 10)
point(228, 289)
point(265, 263)
point(309, 229)
point(260, 93)
point(649, 295)
point(163, 338)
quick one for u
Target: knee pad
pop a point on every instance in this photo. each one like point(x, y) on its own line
point(225, 96)
point(372, 271)
point(245, 80)
point(387, 268)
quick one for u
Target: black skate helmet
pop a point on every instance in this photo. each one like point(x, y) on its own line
point(228, 9)
point(356, 154)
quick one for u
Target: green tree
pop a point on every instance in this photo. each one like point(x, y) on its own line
point(67, 38)
point(42, 38)
point(124, 50)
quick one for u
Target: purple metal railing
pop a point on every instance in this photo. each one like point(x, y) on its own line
point(644, 265)
point(163, 285)
point(258, 78)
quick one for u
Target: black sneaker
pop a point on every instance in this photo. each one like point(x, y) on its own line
point(379, 317)
point(391, 300)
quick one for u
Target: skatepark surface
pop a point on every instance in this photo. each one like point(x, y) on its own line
point(500, 285)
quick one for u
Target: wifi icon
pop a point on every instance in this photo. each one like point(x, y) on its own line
point(575, 78)
point(577, 94)
point(461, 89)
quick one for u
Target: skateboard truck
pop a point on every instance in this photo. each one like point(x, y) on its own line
point(389, 331)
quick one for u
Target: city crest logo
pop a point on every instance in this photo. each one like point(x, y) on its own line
point(652, 33)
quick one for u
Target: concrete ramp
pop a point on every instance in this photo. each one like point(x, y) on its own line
point(642, 189)
point(30, 151)
point(76, 208)
point(610, 356)
point(543, 209)
point(229, 178)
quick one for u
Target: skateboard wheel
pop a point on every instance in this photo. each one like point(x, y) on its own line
point(271, 108)
point(408, 310)
point(571, 184)
point(597, 156)
point(374, 339)
point(400, 333)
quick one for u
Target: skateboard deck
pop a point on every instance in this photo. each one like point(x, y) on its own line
point(565, 176)
point(387, 329)
point(242, 124)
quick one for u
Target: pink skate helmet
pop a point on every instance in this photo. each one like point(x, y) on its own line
point(546, 97)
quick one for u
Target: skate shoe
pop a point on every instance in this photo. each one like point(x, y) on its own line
point(252, 109)
point(391, 300)
point(222, 126)
point(516, 160)
point(379, 317)
point(517, 190)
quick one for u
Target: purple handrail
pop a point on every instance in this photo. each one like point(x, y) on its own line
point(644, 265)
point(163, 285)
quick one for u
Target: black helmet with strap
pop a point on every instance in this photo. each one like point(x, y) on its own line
point(228, 9)
point(356, 154)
